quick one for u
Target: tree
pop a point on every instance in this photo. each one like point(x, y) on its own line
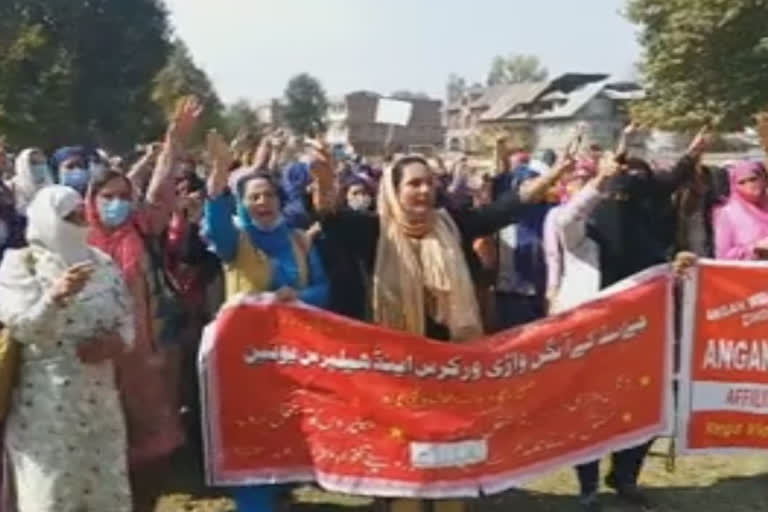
point(181, 77)
point(79, 71)
point(516, 69)
point(305, 105)
point(704, 60)
point(409, 95)
point(241, 117)
point(455, 88)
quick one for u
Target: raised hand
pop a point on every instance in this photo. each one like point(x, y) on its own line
point(221, 160)
point(701, 141)
point(322, 169)
point(71, 283)
point(609, 166)
point(185, 118)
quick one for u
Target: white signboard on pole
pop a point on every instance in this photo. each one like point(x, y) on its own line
point(394, 112)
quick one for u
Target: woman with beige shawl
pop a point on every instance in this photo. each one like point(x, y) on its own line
point(421, 257)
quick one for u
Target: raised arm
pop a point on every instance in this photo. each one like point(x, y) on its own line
point(218, 226)
point(357, 232)
point(489, 219)
point(685, 168)
point(141, 171)
point(161, 194)
point(583, 202)
point(535, 190)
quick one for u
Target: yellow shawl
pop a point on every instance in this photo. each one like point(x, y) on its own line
point(418, 264)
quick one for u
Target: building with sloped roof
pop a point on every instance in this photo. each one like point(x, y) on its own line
point(542, 114)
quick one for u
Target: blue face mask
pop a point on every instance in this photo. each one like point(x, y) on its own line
point(40, 173)
point(114, 212)
point(76, 178)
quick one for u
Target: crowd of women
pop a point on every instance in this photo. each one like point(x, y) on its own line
point(109, 273)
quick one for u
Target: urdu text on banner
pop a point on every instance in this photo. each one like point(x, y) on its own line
point(295, 394)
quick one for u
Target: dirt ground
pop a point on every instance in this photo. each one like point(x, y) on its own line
point(698, 484)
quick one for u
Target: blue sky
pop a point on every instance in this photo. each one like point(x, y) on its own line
point(251, 48)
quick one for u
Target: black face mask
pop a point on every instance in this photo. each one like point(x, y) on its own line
point(632, 185)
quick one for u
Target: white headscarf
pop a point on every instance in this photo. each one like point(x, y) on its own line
point(25, 184)
point(47, 228)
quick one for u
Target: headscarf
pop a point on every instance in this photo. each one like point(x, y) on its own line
point(47, 228)
point(25, 183)
point(414, 258)
point(751, 218)
point(295, 180)
point(61, 155)
point(123, 244)
point(275, 241)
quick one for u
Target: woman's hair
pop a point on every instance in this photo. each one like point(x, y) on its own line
point(259, 175)
point(100, 180)
point(640, 165)
point(195, 182)
point(397, 168)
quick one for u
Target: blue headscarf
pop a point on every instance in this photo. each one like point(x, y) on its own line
point(276, 243)
point(63, 154)
point(296, 179)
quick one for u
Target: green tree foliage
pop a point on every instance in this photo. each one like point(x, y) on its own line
point(704, 60)
point(515, 69)
point(305, 105)
point(75, 71)
point(455, 88)
point(182, 77)
point(241, 118)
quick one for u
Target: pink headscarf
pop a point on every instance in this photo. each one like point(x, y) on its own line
point(124, 245)
point(740, 220)
point(738, 172)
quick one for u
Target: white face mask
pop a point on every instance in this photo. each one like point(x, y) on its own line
point(360, 202)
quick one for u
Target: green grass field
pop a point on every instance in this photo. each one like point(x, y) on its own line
point(698, 484)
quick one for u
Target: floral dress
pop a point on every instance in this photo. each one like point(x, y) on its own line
point(65, 432)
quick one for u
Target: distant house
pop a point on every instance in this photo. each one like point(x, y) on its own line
point(544, 114)
point(352, 120)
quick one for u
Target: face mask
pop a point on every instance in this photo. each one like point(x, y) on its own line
point(360, 203)
point(76, 178)
point(114, 212)
point(39, 173)
point(268, 227)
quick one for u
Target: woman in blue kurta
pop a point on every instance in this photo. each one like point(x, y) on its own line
point(261, 254)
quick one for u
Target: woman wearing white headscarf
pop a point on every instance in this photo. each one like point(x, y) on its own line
point(32, 174)
point(66, 306)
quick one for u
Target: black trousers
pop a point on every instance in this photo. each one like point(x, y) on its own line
point(626, 469)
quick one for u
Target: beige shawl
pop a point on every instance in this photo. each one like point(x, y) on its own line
point(421, 266)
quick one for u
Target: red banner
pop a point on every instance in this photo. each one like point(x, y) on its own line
point(724, 371)
point(295, 394)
